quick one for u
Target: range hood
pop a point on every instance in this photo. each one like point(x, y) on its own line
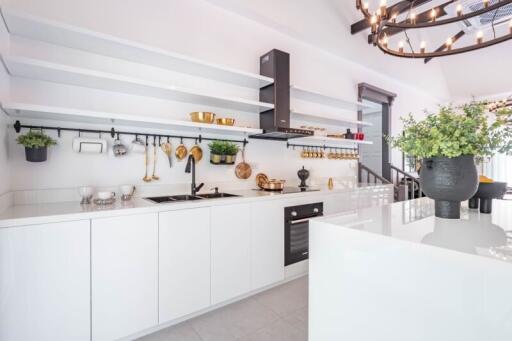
point(276, 122)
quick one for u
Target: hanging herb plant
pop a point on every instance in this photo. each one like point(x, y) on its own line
point(36, 145)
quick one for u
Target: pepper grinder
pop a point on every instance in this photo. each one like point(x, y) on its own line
point(303, 176)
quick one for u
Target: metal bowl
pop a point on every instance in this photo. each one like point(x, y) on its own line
point(226, 121)
point(202, 117)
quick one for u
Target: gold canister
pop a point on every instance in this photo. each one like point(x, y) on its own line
point(330, 184)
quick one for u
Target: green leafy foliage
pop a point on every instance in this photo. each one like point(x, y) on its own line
point(223, 148)
point(466, 130)
point(35, 139)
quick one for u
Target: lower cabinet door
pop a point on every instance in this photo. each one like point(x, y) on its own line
point(124, 275)
point(267, 243)
point(184, 262)
point(45, 282)
point(230, 250)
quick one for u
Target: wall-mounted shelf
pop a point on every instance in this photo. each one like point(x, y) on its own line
point(59, 73)
point(331, 140)
point(36, 28)
point(313, 118)
point(303, 94)
point(33, 111)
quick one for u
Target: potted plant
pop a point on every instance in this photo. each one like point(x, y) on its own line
point(447, 144)
point(217, 149)
point(230, 151)
point(36, 145)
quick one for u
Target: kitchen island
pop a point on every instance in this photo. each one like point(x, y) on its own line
point(397, 273)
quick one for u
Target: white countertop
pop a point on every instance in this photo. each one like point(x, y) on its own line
point(22, 215)
point(414, 221)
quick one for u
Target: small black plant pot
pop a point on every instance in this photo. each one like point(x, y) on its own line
point(486, 192)
point(449, 181)
point(36, 154)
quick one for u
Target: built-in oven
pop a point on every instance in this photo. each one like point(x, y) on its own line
point(296, 227)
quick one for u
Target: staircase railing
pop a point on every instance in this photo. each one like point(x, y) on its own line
point(371, 176)
point(408, 181)
point(406, 186)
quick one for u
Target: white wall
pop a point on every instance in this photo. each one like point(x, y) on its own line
point(5, 176)
point(199, 29)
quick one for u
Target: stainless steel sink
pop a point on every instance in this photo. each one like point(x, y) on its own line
point(173, 198)
point(217, 195)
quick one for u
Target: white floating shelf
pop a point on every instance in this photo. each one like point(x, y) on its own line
point(303, 94)
point(65, 74)
point(33, 111)
point(330, 140)
point(36, 28)
point(313, 118)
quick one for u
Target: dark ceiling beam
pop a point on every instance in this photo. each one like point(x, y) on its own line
point(443, 47)
point(422, 17)
point(398, 8)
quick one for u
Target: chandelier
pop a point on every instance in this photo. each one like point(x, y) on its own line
point(386, 22)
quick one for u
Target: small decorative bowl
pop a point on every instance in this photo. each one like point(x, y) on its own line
point(226, 121)
point(202, 117)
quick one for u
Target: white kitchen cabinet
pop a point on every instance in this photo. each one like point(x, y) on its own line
point(184, 262)
point(45, 282)
point(124, 275)
point(230, 251)
point(267, 243)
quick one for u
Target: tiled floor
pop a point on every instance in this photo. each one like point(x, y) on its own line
point(279, 314)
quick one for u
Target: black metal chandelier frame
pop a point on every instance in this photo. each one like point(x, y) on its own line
point(385, 19)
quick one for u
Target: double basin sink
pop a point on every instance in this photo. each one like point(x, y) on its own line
point(187, 197)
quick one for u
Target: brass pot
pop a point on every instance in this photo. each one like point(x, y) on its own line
point(274, 185)
point(215, 158)
point(230, 159)
point(202, 117)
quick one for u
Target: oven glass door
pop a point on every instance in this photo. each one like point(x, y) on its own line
point(297, 241)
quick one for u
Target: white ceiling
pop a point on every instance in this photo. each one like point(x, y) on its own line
point(326, 24)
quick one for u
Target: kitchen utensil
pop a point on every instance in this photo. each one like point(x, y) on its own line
point(243, 169)
point(89, 145)
point(138, 146)
point(196, 152)
point(303, 175)
point(261, 179)
point(226, 121)
point(119, 149)
point(105, 195)
point(146, 178)
point(274, 185)
point(86, 193)
point(167, 149)
point(181, 151)
point(202, 117)
point(127, 192)
point(154, 176)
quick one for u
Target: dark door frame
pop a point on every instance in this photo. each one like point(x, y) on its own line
point(385, 98)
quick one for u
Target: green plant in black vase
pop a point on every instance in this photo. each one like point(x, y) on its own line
point(448, 143)
point(36, 145)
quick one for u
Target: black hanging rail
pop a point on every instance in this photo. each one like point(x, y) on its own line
point(324, 147)
point(113, 133)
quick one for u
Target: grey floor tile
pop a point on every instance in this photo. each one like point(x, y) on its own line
point(234, 321)
point(287, 298)
point(280, 330)
point(180, 332)
point(299, 319)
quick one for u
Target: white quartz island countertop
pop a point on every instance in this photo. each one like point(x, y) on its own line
point(22, 215)
point(396, 273)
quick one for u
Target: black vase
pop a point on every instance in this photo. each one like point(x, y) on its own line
point(449, 181)
point(36, 154)
point(303, 175)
